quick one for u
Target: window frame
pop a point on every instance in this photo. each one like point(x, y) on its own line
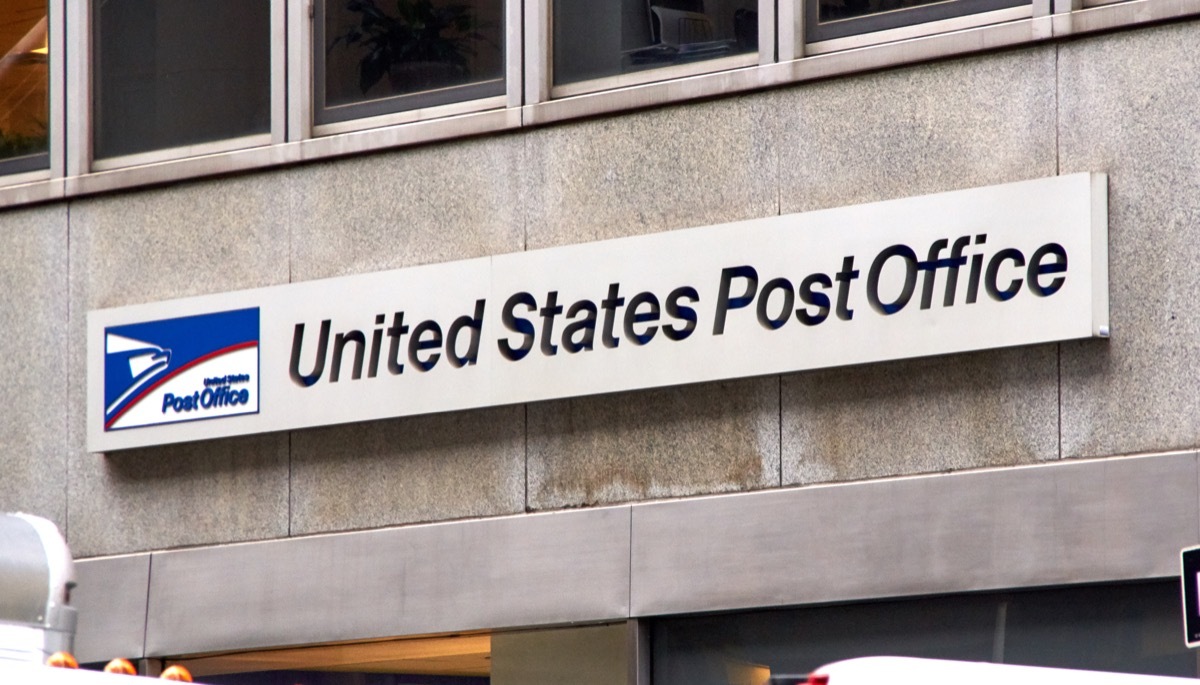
point(45, 165)
point(32, 166)
point(527, 102)
point(415, 107)
point(542, 27)
point(907, 30)
point(921, 15)
point(81, 85)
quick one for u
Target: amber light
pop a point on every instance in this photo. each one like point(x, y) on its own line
point(177, 673)
point(121, 666)
point(62, 660)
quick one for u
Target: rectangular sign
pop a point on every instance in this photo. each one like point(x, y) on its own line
point(1015, 264)
point(181, 369)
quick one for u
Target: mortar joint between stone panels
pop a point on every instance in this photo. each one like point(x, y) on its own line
point(526, 461)
point(1057, 114)
point(1058, 357)
point(629, 601)
point(66, 522)
point(146, 614)
point(291, 230)
point(290, 476)
point(779, 387)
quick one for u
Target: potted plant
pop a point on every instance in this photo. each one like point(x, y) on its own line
point(20, 145)
point(418, 46)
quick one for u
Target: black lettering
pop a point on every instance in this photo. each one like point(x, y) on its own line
point(586, 327)
point(843, 277)
point(976, 266)
point(308, 380)
point(610, 305)
point(551, 310)
point(633, 316)
point(993, 268)
point(956, 260)
point(420, 342)
point(472, 323)
point(395, 332)
point(813, 298)
point(681, 312)
point(376, 343)
point(764, 299)
point(516, 324)
point(930, 266)
point(1037, 269)
point(339, 344)
point(910, 279)
point(725, 303)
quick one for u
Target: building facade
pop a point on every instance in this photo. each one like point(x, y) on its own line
point(1023, 504)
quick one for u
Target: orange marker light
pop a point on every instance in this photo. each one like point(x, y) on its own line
point(121, 666)
point(177, 673)
point(62, 660)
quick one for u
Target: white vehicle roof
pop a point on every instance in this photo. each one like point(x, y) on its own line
point(878, 670)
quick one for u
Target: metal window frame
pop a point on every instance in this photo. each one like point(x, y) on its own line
point(183, 151)
point(78, 89)
point(916, 29)
point(527, 102)
point(816, 31)
point(81, 157)
point(58, 85)
point(45, 165)
point(404, 109)
point(35, 166)
point(539, 29)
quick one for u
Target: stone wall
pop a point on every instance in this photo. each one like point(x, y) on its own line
point(1123, 103)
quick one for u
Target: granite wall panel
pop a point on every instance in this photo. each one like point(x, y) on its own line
point(927, 128)
point(636, 173)
point(424, 205)
point(920, 129)
point(714, 437)
point(1129, 108)
point(33, 321)
point(422, 468)
point(159, 244)
point(433, 204)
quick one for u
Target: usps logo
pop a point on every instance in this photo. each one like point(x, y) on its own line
point(185, 369)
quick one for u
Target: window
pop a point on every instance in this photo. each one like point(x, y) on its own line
point(579, 655)
point(828, 19)
point(1132, 628)
point(172, 73)
point(24, 86)
point(600, 39)
point(381, 56)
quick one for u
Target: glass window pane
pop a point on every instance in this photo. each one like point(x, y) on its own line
point(1130, 628)
point(764, 645)
point(169, 73)
point(381, 56)
point(827, 19)
point(24, 86)
point(433, 660)
point(597, 39)
point(832, 10)
point(1135, 628)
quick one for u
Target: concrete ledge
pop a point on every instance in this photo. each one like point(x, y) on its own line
point(1074, 522)
point(1102, 520)
point(494, 573)
point(111, 599)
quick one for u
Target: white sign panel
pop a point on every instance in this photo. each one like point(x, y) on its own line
point(1016, 264)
